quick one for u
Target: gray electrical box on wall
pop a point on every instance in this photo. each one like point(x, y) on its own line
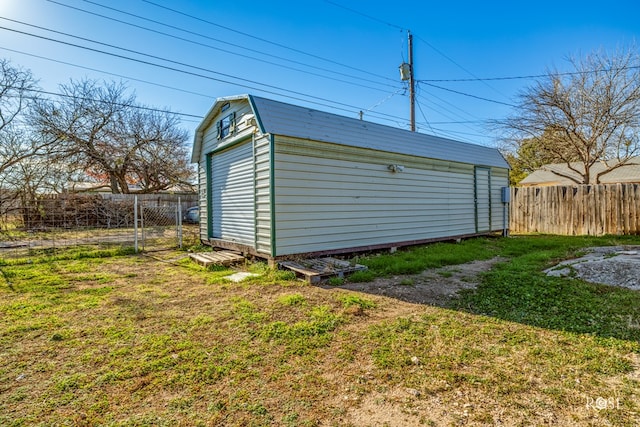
point(505, 194)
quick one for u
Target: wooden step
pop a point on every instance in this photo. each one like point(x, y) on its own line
point(217, 258)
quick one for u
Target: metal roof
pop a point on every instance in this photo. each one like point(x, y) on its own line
point(279, 118)
point(551, 174)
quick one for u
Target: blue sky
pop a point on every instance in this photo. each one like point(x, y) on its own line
point(340, 56)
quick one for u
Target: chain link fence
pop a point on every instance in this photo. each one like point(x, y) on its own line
point(144, 222)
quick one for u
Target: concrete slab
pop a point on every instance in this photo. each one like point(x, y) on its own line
point(240, 276)
point(608, 265)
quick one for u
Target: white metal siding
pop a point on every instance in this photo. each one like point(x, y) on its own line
point(499, 179)
point(483, 199)
point(263, 195)
point(210, 139)
point(233, 195)
point(327, 199)
point(202, 198)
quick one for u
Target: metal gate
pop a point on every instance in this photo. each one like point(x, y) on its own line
point(58, 222)
point(233, 195)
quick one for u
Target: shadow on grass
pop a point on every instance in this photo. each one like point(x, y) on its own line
point(518, 290)
point(554, 303)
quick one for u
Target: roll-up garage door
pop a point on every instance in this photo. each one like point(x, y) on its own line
point(233, 195)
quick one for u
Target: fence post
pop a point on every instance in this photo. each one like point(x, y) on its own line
point(135, 222)
point(142, 234)
point(179, 223)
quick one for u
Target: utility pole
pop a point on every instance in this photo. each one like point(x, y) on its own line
point(412, 86)
point(406, 73)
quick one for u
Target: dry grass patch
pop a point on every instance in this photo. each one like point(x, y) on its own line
point(135, 340)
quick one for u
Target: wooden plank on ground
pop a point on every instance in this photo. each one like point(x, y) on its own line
point(317, 269)
point(216, 258)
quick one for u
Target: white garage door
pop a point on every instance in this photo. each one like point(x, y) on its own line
point(233, 195)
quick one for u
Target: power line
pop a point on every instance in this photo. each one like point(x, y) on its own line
point(183, 71)
point(444, 132)
point(373, 18)
point(438, 51)
point(433, 96)
point(353, 109)
point(262, 39)
point(428, 44)
point(119, 104)
point(207, 70)
point(532, 76)
point(474, 79)
point(382, 101)
point(464, 133)
point(460, 113)
point(180, 38)
point(440, 112)
point(444, 55)
point(185, 64)
point(106, 72)
point(459, 122)
point(457, 65)
point(230, 52)
point(424, 116)
point(467, 94)
point(153, 57)
point(171, 61)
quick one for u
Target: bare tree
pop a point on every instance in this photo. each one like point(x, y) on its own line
point(162, 158)
point(107, 135)
point(580, 118)
point(19, 147)
point(17, 93)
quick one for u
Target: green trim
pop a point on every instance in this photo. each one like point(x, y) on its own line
point(231, 144)
point(272, 192)
point(256, 114)
point(209, 197)
point(255, 192)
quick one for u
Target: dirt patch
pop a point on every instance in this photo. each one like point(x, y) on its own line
point(433, 286)
point(609, 265)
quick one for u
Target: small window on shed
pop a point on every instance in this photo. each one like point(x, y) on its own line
point(226, 125)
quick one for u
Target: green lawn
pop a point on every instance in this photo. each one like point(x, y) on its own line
point(112, 338)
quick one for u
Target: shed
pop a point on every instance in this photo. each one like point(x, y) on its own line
point(278, 180)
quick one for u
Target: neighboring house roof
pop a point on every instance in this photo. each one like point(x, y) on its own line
point(629, 172)
point(279, 118)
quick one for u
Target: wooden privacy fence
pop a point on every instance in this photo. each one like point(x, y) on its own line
point(582, 210)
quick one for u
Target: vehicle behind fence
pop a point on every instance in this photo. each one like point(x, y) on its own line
point(145, 222)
